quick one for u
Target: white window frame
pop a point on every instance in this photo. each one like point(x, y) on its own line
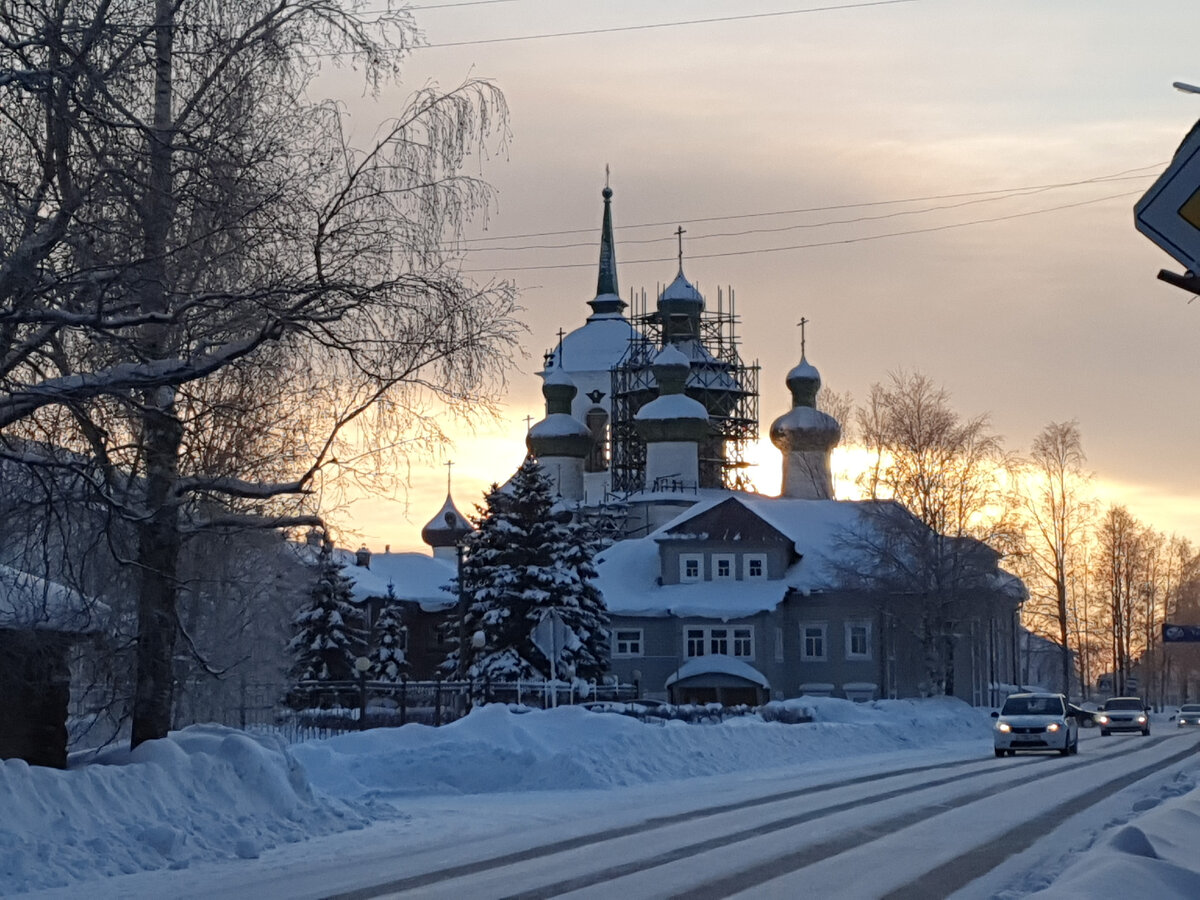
point(742, 639)
point(629, 645)
point(851, 626)
point(748, 559)
point(823, 637)
point(729, 559)
point(723, 639)
point(684, 559)
point(718, 640)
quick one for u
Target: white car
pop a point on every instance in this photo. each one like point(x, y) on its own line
point(1123, 714)
point(1189, 716)
point(1035, 722)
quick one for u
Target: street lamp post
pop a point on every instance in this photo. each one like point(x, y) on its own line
point(361, 664)
point(461, 668)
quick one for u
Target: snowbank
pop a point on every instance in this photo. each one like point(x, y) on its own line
point(205, 793)
point(213, 794)
point(494, 749)
point(1155, 856)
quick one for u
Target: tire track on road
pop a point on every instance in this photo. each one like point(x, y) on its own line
point(948, 878)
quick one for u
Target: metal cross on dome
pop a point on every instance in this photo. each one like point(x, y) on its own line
point(679, 233)
point(803, 321)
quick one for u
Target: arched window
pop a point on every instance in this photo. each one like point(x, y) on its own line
point(597, 423)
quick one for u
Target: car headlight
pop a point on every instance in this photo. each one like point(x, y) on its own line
point(1003, 726)
point(1103, 720)
point(1053, 726)
point(1141, 720)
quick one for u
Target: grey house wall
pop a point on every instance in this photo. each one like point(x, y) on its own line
point(834, 611)
point(894, 663)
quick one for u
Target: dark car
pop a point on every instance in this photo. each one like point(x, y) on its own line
point(1085, 717)
point(1123, 714)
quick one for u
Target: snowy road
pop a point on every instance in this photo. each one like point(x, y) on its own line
point(920, 832)
point(890, 799)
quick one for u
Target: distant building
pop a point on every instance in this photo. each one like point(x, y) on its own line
point(717, 593)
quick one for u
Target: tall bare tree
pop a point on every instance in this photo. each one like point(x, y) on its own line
point(949, 474)
point(1122, 571)
point(1056, 508)
point(208, 295)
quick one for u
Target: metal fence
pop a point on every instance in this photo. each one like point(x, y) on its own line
point(321, 709)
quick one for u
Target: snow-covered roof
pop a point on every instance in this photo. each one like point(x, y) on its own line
point(413, 577)
point(27, 601)
point(717, 664)
point(628, 571)
point(628, 575)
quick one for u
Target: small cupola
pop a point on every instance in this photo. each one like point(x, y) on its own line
point(672, 424)
point(560, 441)
point(680, 304)
point(446, 529)
point(806, 436)
point(560, 433)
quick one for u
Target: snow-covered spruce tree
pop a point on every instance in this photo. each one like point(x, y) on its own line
point(329, 632)
point(521, 564)
point(387, 657)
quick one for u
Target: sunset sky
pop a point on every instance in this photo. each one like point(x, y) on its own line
point(943, 186)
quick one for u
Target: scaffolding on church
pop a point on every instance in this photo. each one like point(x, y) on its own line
point(719, 379)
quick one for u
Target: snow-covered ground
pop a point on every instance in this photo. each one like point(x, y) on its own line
point(215, 803)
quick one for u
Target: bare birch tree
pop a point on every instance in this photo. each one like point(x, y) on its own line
point(208, 295)
point(949, 473)
point(1056, 512)
point(1122, 572)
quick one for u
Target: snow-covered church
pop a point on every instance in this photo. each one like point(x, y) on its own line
point(715, 592)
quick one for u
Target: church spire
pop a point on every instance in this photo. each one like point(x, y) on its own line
point(608, 296)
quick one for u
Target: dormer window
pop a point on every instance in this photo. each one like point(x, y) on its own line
point(723, 566)
point(691, 567)
point(755, 566)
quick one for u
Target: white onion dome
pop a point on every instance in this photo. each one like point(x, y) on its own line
point(447, 528)
point(560, 433)
point(672, 415)
point(805, 427)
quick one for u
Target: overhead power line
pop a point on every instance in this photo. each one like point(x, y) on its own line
point(625, 28)
point(1016, 190)
point(973, 198)
point(818, 244)
point(451, 5)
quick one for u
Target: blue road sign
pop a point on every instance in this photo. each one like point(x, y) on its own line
point(1181, 634)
